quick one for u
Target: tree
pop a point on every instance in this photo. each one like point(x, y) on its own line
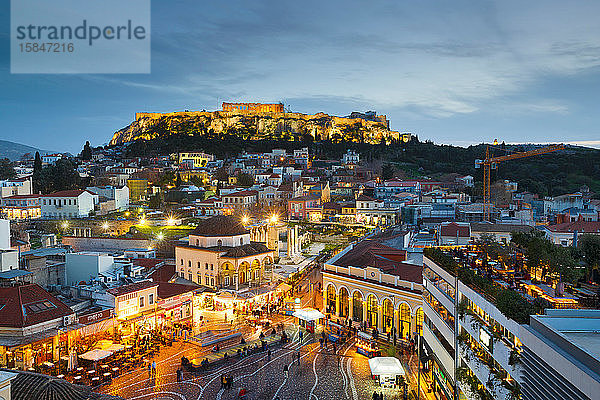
point(178, 180)
point(86, 153)
point(387, 171)
point(156, 201)
point(37, 164)
point(589, 246)
point(6, 169)
point(62, 175)
point(245, 180)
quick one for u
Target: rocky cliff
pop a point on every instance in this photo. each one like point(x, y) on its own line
point(254, 126)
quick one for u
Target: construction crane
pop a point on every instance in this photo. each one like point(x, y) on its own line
point(490, 163)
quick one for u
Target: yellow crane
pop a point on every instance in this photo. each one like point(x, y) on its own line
point(490, 163)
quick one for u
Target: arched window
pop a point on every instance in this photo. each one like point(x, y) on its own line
point(344, 303)
point(219, 243)
point(357, 306)
point(372, 309)
point(419, 321)
point(331, 299)
point(388, 315)
point(404, 320)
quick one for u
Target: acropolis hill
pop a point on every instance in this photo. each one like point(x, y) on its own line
point(242, 119)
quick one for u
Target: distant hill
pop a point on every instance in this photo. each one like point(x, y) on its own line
point(15, 151)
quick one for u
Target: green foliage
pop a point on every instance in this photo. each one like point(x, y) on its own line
point(37, 163)
point(589, 247)
point(6, 169)
point(245, 180)
point(548, 257)
point(62, 175)
point(514, 306)
point(156, 201)
point(441, 259)
point(86, 153)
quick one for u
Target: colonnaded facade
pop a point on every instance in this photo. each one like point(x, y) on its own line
point(373, 285)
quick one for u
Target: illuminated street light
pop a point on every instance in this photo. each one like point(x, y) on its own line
point(127, 213)
point(170, 221)
point(140, 210)
point(274, 218)
point(245, 219)
point(105, 226)
point(65, 224)
point(160, 236)
point(142, 221)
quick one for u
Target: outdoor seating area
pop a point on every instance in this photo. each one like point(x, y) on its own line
point(105, 359)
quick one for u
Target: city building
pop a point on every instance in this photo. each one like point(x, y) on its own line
point(374, 286)
point(21, 206)
point(566, 234)
point(133, 300)
point(471, 345)
point(52, 158)
point(68, 204)
point(84, 266)
point(111, 198)
point(31, 319)
point(195, 160)
point(16, 187)
point(454, 233)
point(240, 200)
point(138, 189)
point(220, 254)
point(561, 355)
point(302, 206)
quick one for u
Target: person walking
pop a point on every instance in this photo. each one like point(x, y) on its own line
point(286, 370)
point(154, 368)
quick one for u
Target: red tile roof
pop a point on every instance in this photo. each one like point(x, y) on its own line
point(23, 196)
point(166, 290)
point(372, 253)
point(163, 273)
point(453, 229)
point(221, 225)
point(134, 287)
point(27, 305)
point(579, 226)
point(67, 193)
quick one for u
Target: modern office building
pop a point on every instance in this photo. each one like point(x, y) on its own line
point(561, 357)
point(471, 346)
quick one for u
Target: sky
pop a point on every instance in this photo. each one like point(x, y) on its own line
point(455, 72)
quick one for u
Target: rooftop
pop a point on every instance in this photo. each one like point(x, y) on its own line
point(134, 287)
point(28, 305)
point(222, 225)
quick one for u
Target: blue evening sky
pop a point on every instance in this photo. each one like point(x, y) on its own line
point(458, 72)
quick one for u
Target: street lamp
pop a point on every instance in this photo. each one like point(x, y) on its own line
point(273, 218)
point(65, 224)
point(170, 221)
point(160, 236)
point(105, 225)
point(245, 219)
point(142, 221)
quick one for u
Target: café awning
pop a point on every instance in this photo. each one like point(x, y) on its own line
point(95, 355)
point(308, 314)
point(385, 366)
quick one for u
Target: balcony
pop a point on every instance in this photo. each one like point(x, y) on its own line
point(439, 323)
point(500, 350)
point(439, 351)
point(494, 386)
point(440, 296)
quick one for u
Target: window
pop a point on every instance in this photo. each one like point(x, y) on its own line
point(206, 266)
point(212, 268)
point(206, 280)
point(182, 261)
point(198, 264)
point(141, 301)
point(219, 243)
point(226, 280)
point(189, 263)
point(190, 276)
point(212, 281)
point(151, 298)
